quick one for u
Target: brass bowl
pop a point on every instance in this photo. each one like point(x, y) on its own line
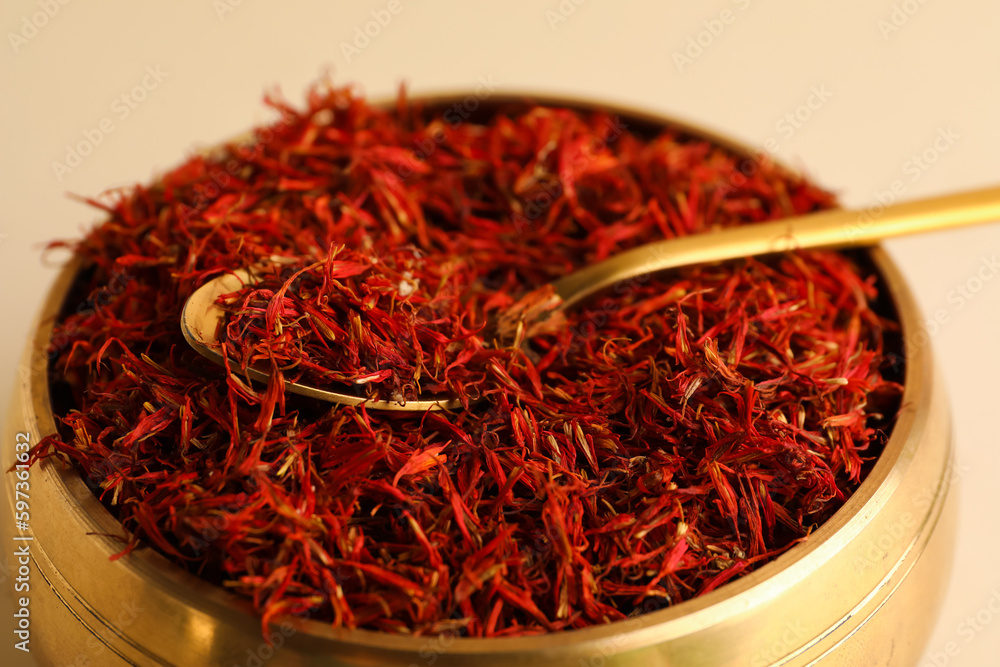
point(862, 590)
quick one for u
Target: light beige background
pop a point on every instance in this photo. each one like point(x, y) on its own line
point(893, 75)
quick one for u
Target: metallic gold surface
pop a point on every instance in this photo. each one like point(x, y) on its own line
point(862, 590)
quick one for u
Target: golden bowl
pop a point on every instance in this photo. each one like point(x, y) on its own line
point(862, 590)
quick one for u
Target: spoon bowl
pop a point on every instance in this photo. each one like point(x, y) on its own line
point(200, 320)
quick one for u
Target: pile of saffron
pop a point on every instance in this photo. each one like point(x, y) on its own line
point(668, 436)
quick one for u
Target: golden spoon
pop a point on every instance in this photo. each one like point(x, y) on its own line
point(836, 228)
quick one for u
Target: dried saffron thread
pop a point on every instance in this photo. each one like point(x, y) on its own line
point(668, 436)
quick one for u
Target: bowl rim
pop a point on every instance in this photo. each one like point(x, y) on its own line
point(684, 618)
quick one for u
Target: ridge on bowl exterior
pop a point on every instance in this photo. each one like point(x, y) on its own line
point(862, 590)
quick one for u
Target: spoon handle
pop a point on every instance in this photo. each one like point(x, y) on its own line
point(838, 228)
